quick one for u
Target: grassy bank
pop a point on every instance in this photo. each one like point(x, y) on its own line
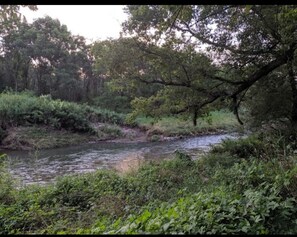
point(28, 121)
point(238, 188)
point(214, 122)
point(26, 109)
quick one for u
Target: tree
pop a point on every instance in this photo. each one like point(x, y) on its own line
point(45, 57)
point(184, 75)
point(17, 60)
point(164, 80)
point(10, 19)
point(117, 63)
point(251, 43)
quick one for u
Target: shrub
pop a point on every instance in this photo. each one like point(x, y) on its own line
point(24, 108)
point(217, 212)
point(6, 182)
point(216, 194)
point(242, 148)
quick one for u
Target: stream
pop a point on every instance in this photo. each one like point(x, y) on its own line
point(44, 166)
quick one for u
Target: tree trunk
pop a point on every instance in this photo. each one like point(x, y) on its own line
point(25, 76)
point(195, 116)
point(294, 96)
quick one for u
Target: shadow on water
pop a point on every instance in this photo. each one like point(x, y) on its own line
point(44, 166)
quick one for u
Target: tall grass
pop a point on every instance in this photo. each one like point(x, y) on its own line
point(25, 108)
point(171, 126)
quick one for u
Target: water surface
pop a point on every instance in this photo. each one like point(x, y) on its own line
point(46, 165)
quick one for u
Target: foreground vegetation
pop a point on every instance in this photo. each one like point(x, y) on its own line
point(241, 187)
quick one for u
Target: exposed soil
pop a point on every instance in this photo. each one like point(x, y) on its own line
point(41, 137)
point(13, 142)
point(44, 137)
point(131, 135)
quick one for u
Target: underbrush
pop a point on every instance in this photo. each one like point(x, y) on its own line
point(224, 192)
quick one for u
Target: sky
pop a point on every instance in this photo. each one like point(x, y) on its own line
point(94, 22)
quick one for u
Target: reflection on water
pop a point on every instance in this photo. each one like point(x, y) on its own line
point(45, 165)
point(130, 163)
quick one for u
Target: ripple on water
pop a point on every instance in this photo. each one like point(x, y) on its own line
point(44, 166)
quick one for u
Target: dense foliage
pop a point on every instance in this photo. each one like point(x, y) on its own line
point(248, 64)
point(45, 57)
point(175, 59)
point(27, 109)
point(253, 46)
point(220, 193)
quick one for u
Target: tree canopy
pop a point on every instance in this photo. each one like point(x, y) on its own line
point(45, 57)
point(249, 43)
point(170, 59)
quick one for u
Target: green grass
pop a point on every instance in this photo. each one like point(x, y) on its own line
point(220, 193)
point(26, 109)
point(109, 131)
point(58, 119)
point(60, 123)
point(216, 121)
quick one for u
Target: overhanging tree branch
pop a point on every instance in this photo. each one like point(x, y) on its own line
point(265, 70)
point(220, 45)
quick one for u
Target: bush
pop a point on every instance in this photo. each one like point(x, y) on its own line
point(111, 130)
point(242, 148)
point(6, 182)
point(217, 212)
point(112, 101)
point(216, 194)
point(24, 108)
